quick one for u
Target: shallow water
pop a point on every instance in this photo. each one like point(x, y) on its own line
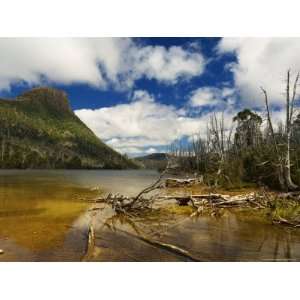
point(236, 235)
point(44, 216)
point(43, 213)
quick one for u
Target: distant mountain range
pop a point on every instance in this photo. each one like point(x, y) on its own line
point(38, 129)
point(156, 161)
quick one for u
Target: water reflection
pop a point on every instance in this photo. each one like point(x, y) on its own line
point(43, 217)
point(231, 236)
point(43, 213)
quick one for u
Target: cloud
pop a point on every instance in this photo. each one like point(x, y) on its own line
point(141, 124)
point(211, 97)
point(151, 150)
point(100, 62)
point(59, 60)
point(144, 126)
point(261, 62)
point(167, 65)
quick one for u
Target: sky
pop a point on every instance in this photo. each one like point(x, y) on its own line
point(141, 94)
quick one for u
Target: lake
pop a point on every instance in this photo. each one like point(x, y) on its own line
point(44, 216)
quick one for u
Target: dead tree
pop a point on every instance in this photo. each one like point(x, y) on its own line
point(124, 204)
point(219, 143)
point(279, 166)
point(290, 104)
point(153, 186)
point(283, 162)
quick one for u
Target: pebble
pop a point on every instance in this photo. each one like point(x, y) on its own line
point(1, 251)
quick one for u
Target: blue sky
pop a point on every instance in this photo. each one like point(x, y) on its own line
point(84, 96)
point(141, 94)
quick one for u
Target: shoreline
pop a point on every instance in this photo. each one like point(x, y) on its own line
point(141, 229)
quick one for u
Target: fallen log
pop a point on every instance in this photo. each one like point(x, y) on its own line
point(90, 244)
point(280, 220)
point(168, 247)
point(184, 199)
point(97, 200)
point(124, 204)
point(291, 195)
point(171, 248)
point(175, 182)
point(95, 208)
point(216, 199)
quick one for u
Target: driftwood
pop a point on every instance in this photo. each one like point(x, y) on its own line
point(156, 185)
point(125, 204)
point(291, 195)
point(168, 247)
point(90, 244)
point(174, 182)
point(218, 200)
point(280, 220)
point(135, 205)
point(128, 205)
point(97, 200)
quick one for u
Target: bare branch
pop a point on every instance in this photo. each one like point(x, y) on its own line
point(154, 185)
point(270, 122)
point(287, 102)
point(294, 97)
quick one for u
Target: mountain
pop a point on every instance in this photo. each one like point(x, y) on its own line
point(156, 161)
point(39, 130)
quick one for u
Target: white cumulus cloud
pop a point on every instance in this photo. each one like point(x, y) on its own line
point(211, 96)
point(167, 65)
point(262, 62)
point(95, 61)
point(140, 125)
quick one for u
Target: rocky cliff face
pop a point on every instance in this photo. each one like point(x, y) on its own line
point(39, 130)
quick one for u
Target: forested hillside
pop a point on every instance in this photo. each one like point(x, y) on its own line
point(39, 130)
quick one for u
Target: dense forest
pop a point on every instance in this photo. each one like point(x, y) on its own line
point(39, 130)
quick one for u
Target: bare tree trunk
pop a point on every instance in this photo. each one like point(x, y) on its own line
point(218, 142)
point(279, 166)
point(287, 167)
point(284, 159)
point(287, 161)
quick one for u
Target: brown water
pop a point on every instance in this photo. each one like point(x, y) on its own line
point(44, 216)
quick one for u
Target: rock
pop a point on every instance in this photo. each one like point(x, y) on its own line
point(1, 251)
